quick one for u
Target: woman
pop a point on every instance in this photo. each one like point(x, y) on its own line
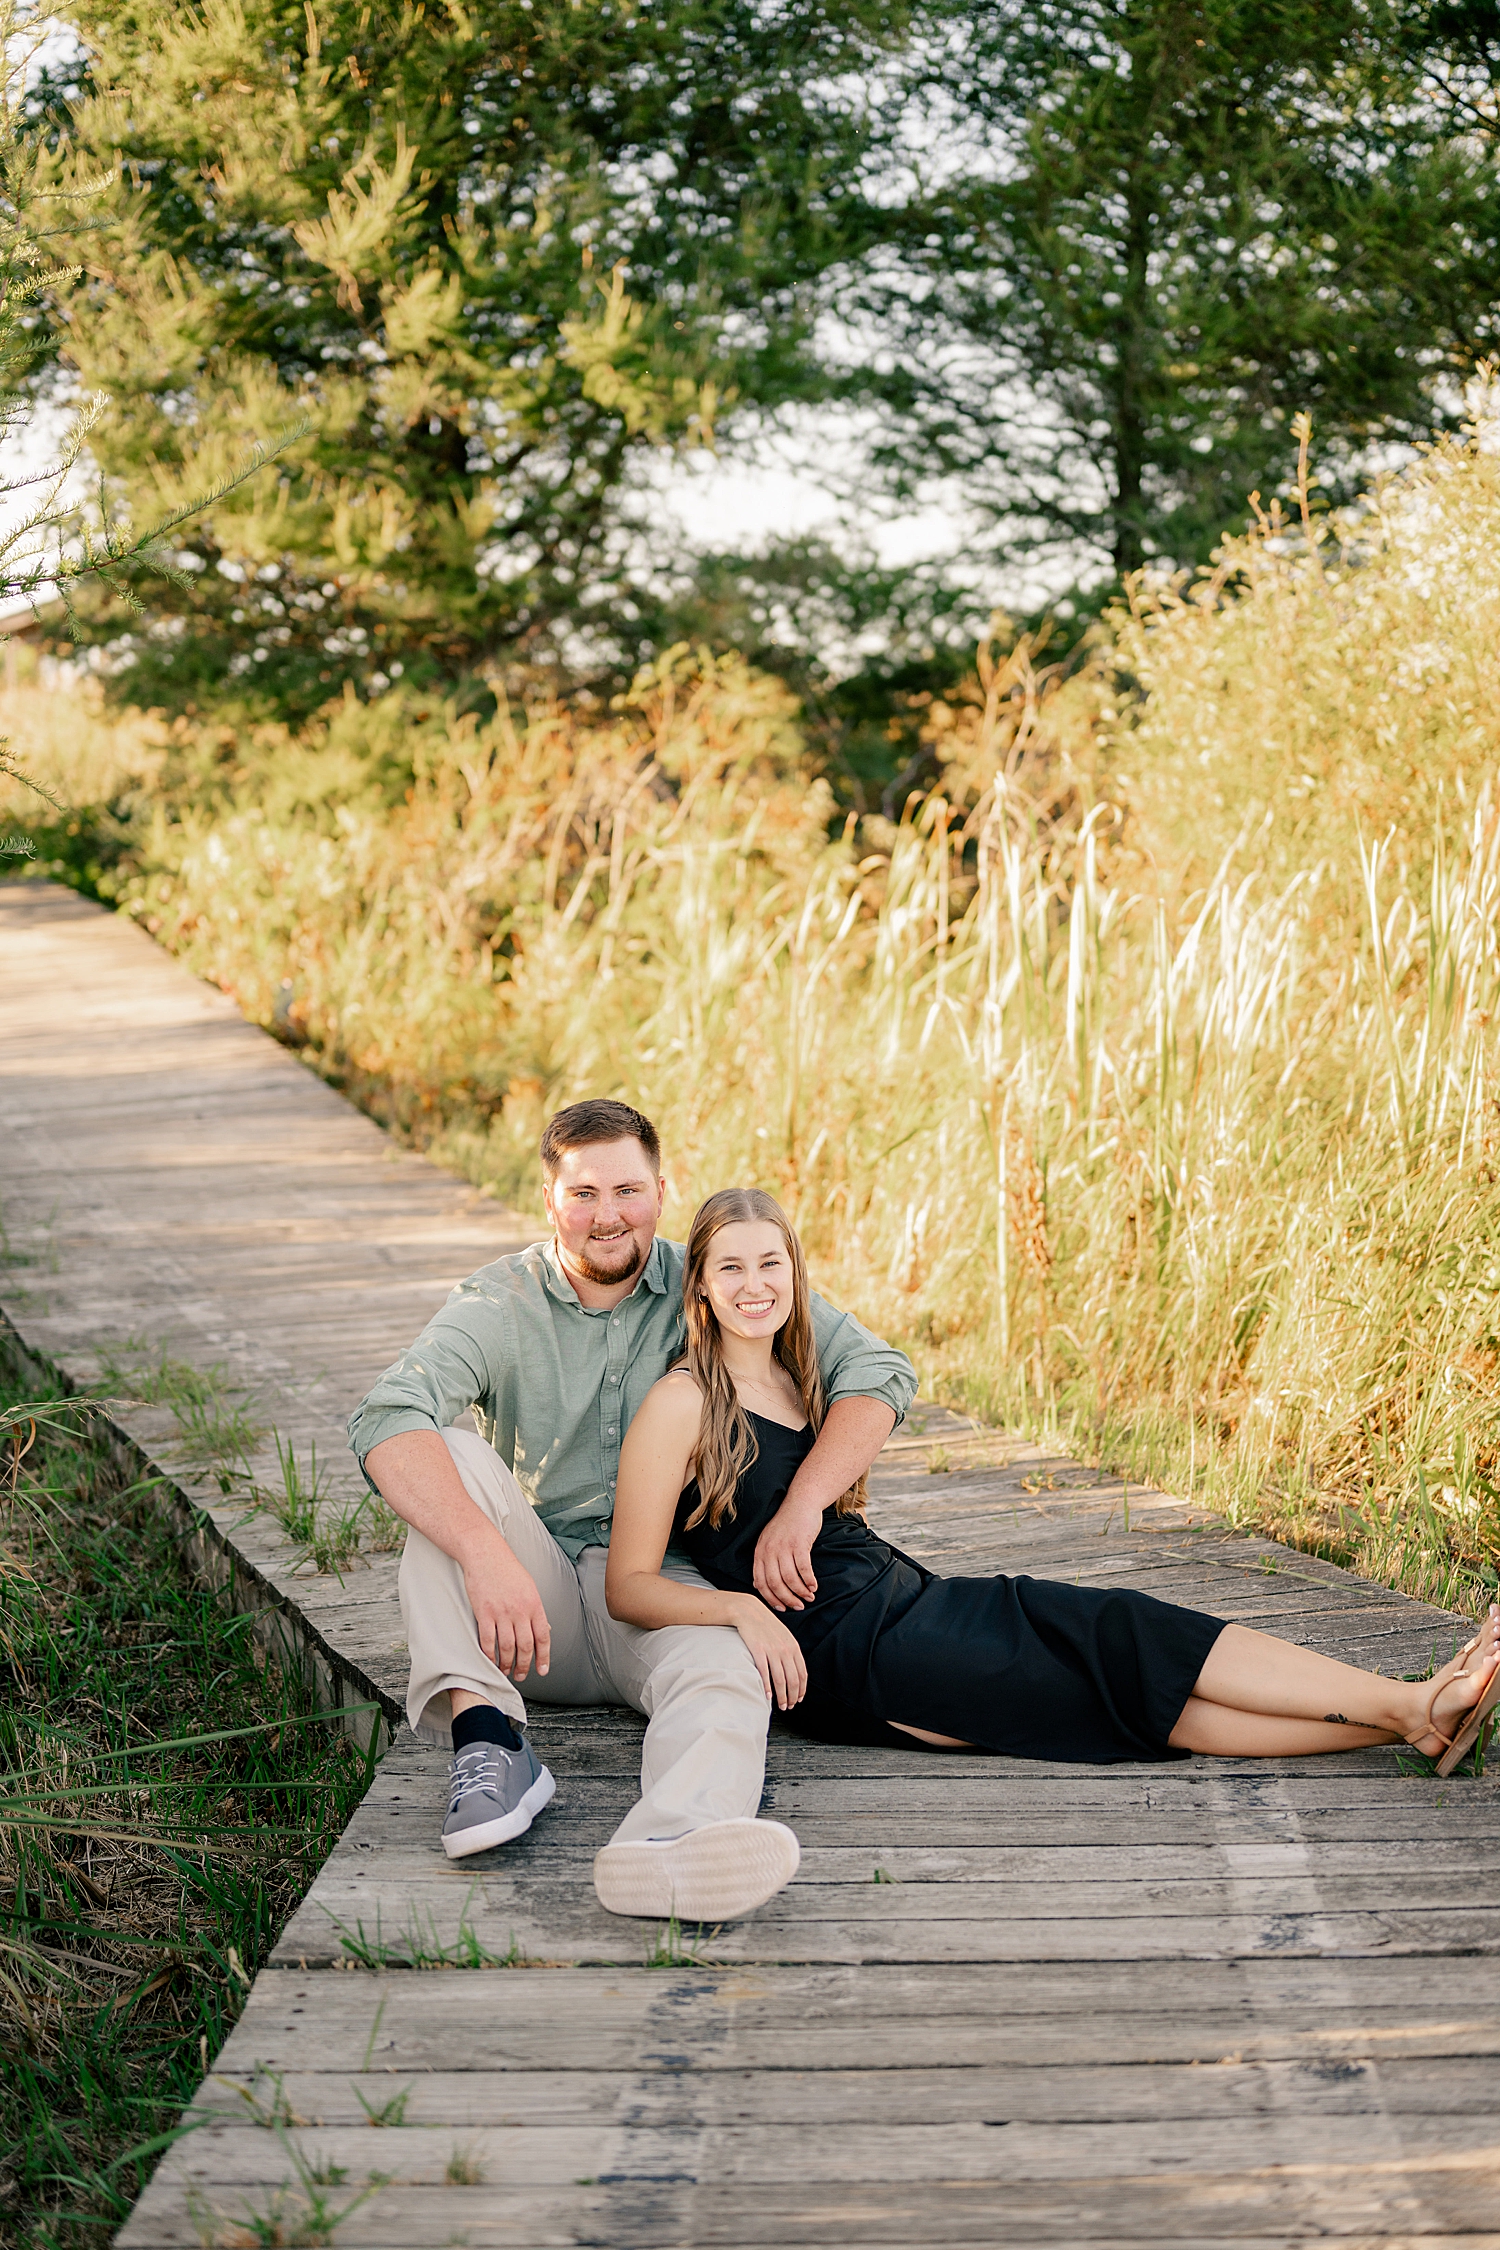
point(885, 1651)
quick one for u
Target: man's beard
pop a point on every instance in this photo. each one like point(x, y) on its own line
point(608, 1275)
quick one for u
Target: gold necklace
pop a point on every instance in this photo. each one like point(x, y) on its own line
point(770, 1390)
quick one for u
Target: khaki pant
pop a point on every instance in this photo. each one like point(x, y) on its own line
point(704, 1755)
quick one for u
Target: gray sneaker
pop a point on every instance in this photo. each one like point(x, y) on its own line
point(493, 1795)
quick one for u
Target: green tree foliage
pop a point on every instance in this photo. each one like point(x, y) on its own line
point(1455, 47)
point(1144, 234)
point(47, 546)
point(1087, 257)
point(488, 254)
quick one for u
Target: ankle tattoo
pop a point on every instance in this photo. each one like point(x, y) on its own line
point(1334, 1719)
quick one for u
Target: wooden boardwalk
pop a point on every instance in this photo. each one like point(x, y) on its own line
point(1004, 2003)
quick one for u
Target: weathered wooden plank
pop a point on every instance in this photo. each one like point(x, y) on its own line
point(964, 2185)
point(923, 2044)
point(530, 2018)
point(1362, 1870)
point(637, 2217)
point(786, 2093)
point(910, 1784)
point(534, 1903)
point(677, 2042)
point(1378, 1775)
point(892, 2149)
point(872, 1810)
point(1017, 1787)
point(1222, 1931)
point(878, 1835)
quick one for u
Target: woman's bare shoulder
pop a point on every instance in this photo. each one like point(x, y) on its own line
point(674, 1403)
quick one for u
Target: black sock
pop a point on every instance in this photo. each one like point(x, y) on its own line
point(483, 1723)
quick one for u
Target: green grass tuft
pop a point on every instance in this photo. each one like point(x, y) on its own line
point(418, 1944)
point(146, 1865)
point(673, 1948)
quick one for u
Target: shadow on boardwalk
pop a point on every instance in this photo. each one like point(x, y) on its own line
point(1003, 2002)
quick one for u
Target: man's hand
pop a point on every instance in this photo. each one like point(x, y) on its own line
point(416, 1474)
point(508, 1612)
point(783, 1572)
point(854, 1430)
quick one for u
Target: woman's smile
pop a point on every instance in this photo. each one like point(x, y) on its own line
point(747, 1278)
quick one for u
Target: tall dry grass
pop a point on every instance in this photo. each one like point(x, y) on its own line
point(1143, 1078)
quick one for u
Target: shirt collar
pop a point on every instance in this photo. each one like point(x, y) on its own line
point(652, 1275)
point(654, 1271)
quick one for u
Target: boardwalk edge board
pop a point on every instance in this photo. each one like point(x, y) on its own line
point(282, 1628)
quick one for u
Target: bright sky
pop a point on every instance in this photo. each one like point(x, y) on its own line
point(742, 500)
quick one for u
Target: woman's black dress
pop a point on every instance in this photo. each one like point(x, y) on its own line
point(1022, 1666)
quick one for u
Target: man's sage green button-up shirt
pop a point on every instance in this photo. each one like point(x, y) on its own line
point(553, 1385)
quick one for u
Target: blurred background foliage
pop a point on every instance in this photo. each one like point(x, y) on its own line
point(488, 256)
point(1065, 269)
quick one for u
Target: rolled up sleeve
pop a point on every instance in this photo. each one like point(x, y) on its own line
point(858, 1364)
point(451, 1366)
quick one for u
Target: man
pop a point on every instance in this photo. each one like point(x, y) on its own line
point(502, 1578)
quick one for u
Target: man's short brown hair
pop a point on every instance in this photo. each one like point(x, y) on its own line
point(583, 1123)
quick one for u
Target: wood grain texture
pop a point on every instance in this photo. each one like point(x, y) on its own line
point(1004, 2003)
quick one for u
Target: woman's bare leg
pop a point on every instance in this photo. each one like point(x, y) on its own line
point(933, 1741)
point(1255, 1677)
point(1216, 1731)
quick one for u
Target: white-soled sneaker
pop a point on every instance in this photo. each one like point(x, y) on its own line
point(494, 1795)
point(711, 1874)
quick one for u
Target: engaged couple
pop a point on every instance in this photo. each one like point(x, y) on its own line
point(659, 1501)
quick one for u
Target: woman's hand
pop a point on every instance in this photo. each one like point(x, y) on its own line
point(778, 1659)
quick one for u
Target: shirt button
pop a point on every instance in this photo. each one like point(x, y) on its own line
point(610, 1431)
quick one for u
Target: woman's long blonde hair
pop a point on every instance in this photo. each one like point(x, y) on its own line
point(727, 1445)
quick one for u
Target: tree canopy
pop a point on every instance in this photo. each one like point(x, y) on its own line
point(1142, 235)
point(1084, 260)
point(486, 254)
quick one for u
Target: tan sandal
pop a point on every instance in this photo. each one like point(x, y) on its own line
point(1415, 1741)
point(1474, 1719)
point(1454, 1745)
